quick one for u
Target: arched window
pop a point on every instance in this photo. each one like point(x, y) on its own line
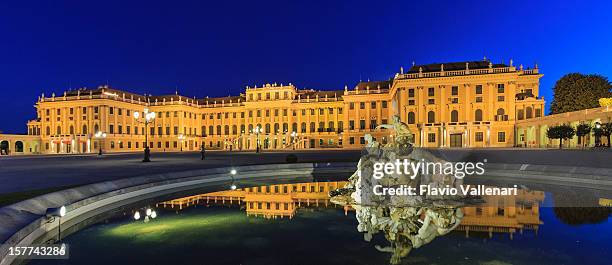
point(250, 128)
point(529, 112)
point(211, 130)
point(285, 127)
point(234, 129)
point(331, 125)
point(19, 146)
point(312, 127)
point(303, 127)
point(411, 118)
point(478, 115)
point(294, 127)
point(48, 130)
point(59, 130)
point(431, 117)
point(500, 111)
point(454, 116)
point(84, 129)
point(227, 130)
point(276, 128)
point(203, 130)
point(71, 129)
point(96, 128)
point(241, 128)
point(321, 126)
point(218, 129)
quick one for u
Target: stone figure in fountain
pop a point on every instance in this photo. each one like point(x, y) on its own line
point(407, 222)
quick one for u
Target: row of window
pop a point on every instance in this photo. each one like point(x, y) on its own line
point(373, 104)
point(431, 91)
point(454, 116)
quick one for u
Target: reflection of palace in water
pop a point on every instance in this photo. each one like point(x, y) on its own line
point(274, 201)
point(504, 214)
point(500, 214)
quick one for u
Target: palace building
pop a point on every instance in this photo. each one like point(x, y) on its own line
point(463, 104)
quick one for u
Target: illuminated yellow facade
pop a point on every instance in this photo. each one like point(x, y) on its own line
point(467, 104)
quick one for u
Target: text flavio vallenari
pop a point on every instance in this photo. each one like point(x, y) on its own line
point(427, 190)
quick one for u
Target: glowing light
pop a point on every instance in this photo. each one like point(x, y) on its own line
point(62, 211)
point(233, 187)
point(233, 172)
point(136, 114)
point(153, 214)
point(148, 212)
point(136, 215)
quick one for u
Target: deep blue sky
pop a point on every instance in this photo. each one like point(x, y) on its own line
point(217, 48)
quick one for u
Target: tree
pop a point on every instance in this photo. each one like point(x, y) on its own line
point(583, 130)
point(577, 91)
point(561, 132)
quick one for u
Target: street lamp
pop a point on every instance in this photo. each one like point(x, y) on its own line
point(53, 213)
point(146, 119)
point(100, 136)
point(257, 131)
point(293, 135)
point(181, 138)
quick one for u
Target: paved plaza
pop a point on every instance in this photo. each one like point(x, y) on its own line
point(21, 173)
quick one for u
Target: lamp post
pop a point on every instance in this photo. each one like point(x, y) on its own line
point(53, 213)
point(293, 135)
point(181, 138)
point(257, 131)
point(100, 136)
point(146, 119)
point(598, 137)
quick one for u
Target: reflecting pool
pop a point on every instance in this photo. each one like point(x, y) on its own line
point(297, 224)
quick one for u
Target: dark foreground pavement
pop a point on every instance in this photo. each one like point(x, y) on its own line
point(31, 173)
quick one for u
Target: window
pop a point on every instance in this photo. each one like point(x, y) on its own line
point(431, 117)
point(111, 110)
point(373, 104)
point(411, 118)
point(478, 115)
point(520, 114)
point(538, 112)
point(384, 104)
point(478, 99)
point(455, 100)
point(411, 102)
point(351, 125)
point(362, 140)
point(529, 113)
point(411, 92)
point(362, 124)
point(500, 98)
point(431, 137)
point(501, 137)
point(479, 137)
point(362, 105)
point(454, 116)
point(500, 88)
point(352, 105)
point(351, 140)
point(111, 129)
point(430, 92)
point(372, 124)
point(431, 101)
point(455, 90)
point(478, 89)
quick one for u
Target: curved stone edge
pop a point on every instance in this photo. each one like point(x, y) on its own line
point(25, 221)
